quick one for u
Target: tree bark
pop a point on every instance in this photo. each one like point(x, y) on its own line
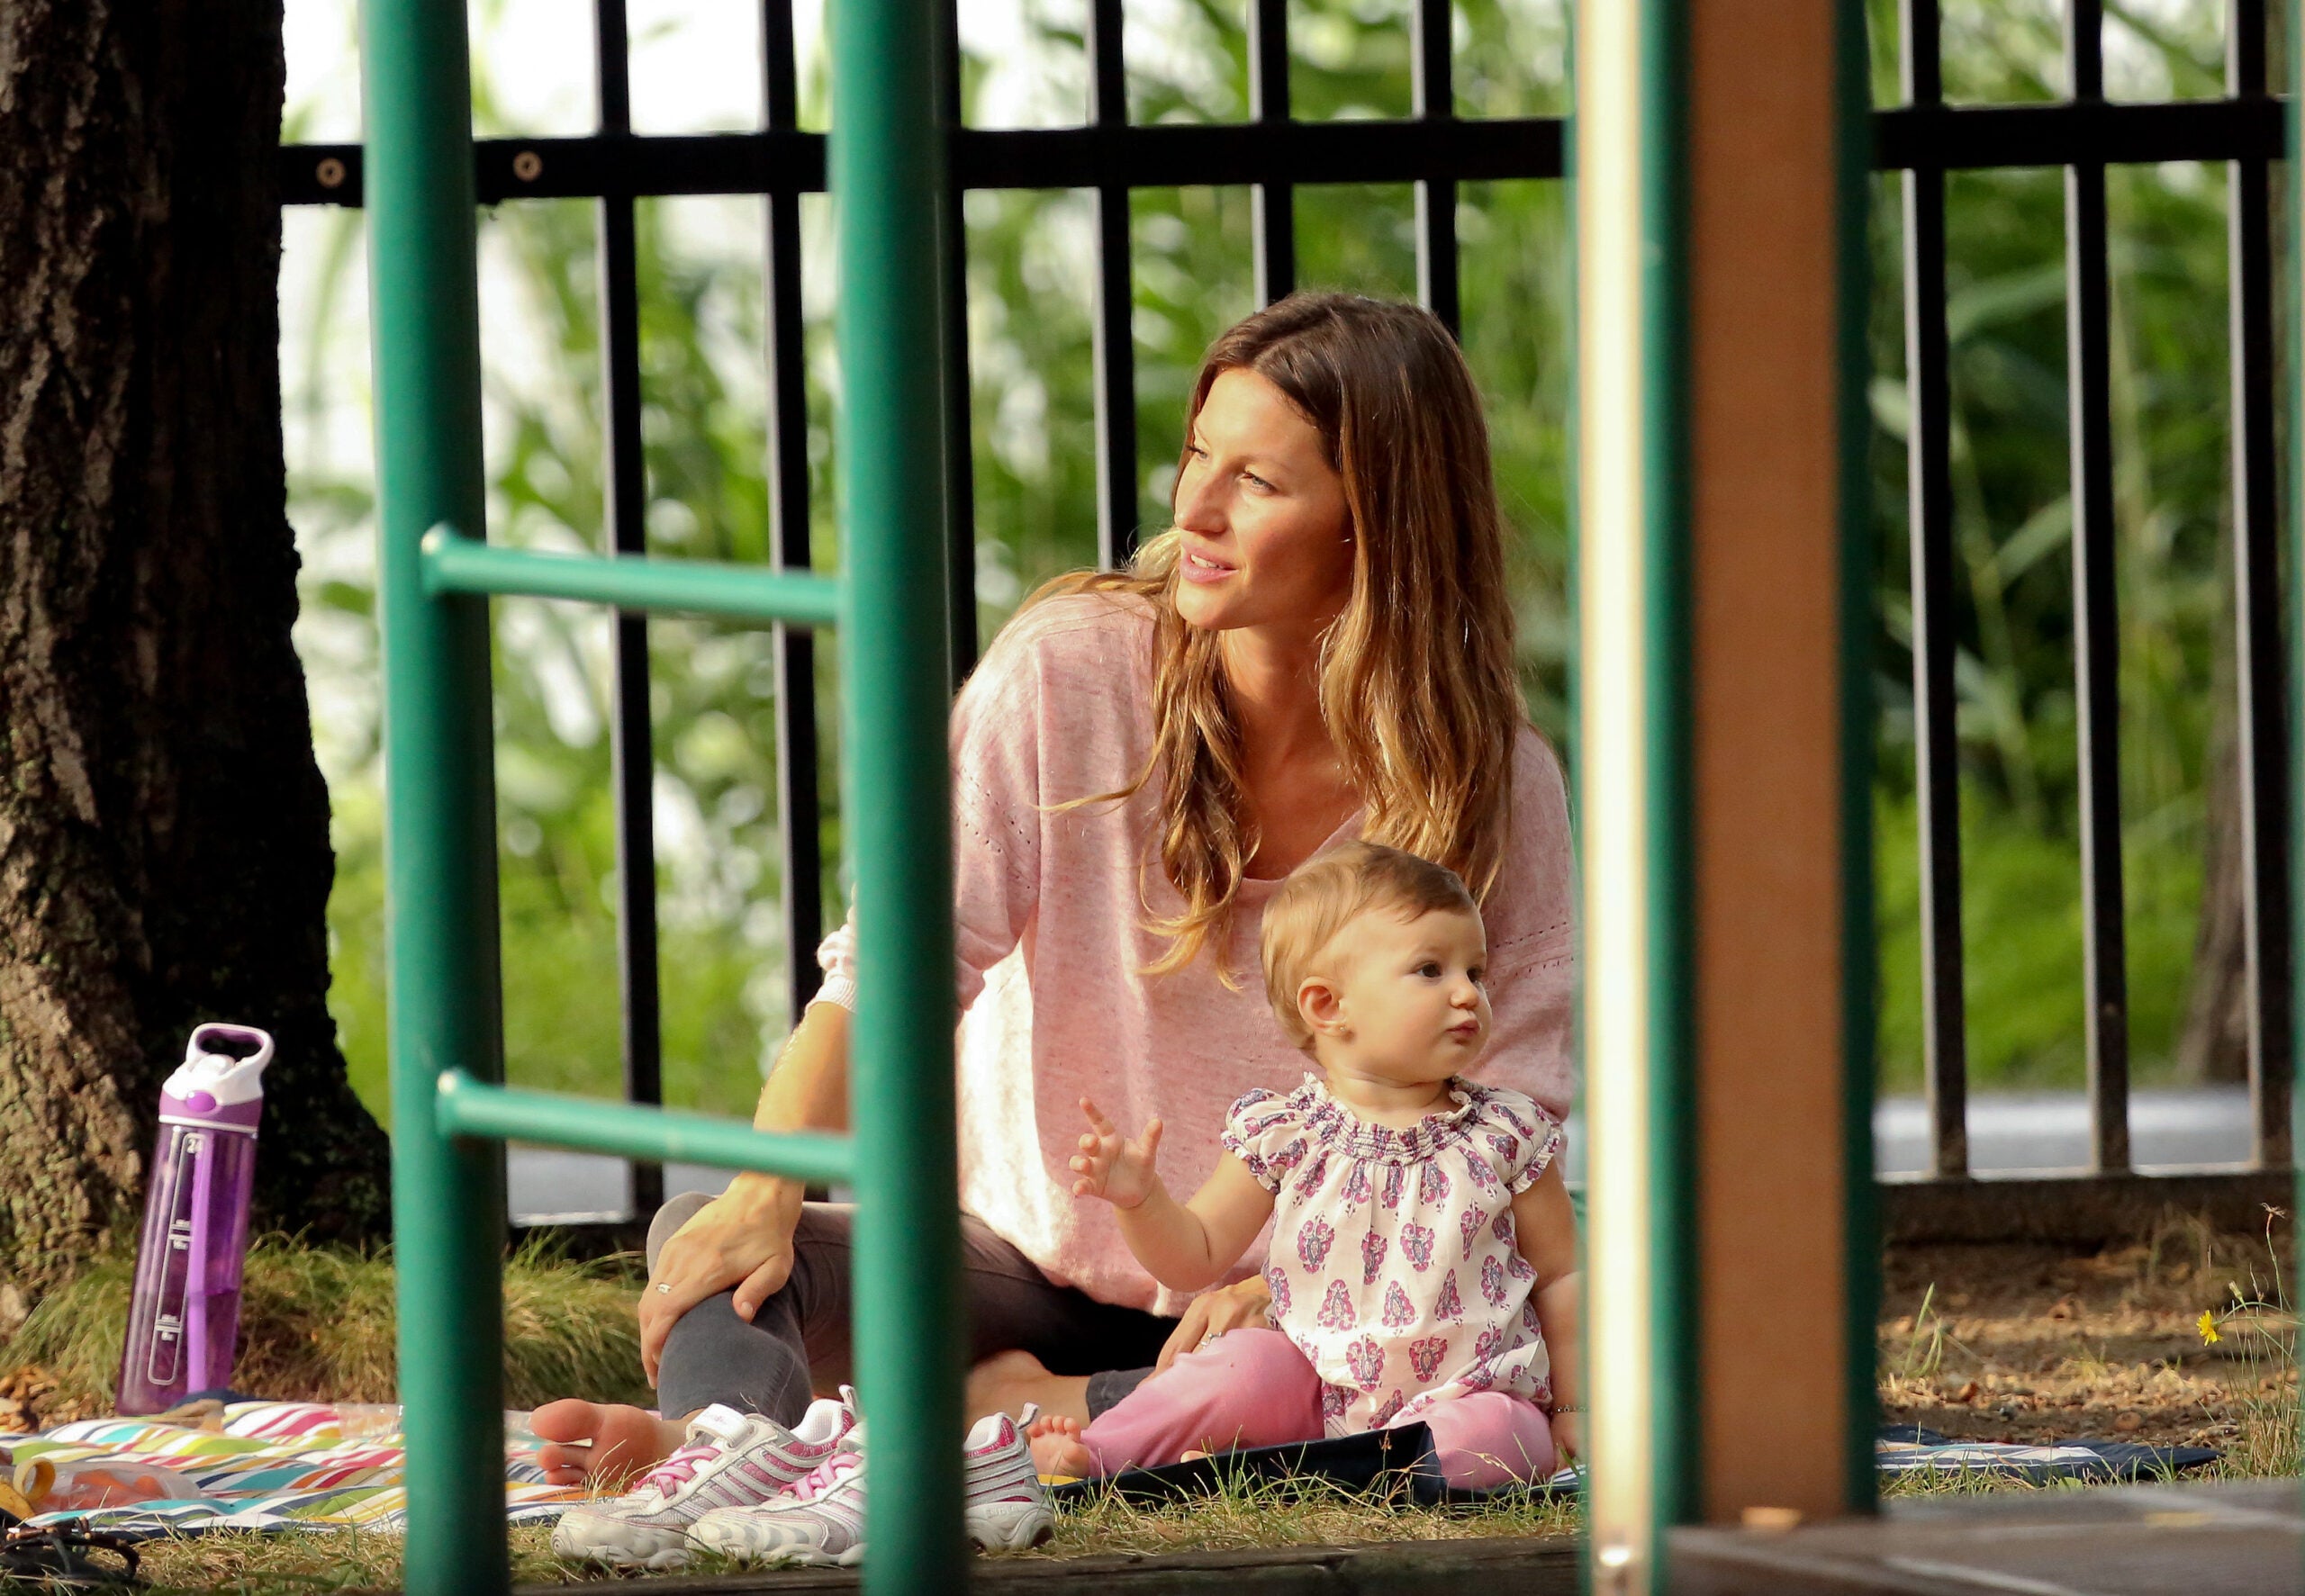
point(164, 852)
point(2214, 1044)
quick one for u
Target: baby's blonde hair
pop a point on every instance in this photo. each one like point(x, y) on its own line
point(1328, 891)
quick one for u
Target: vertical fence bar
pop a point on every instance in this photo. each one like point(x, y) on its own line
point(1632, 508)
point(1116, 339)
point(797, 802)
point(892, 201)
point(959, 465)
point(2096, 638)
point(626, 500)
point(1273, 205)
point(2259, 655)
point(1937, 770)
point(440, 810)
point(1434, 99)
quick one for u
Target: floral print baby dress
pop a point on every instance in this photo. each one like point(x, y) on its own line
point(1394, 1267)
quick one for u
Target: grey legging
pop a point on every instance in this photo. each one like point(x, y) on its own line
point(799, 1338)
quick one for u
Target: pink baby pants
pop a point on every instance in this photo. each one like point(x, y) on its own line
point(1252, 1388)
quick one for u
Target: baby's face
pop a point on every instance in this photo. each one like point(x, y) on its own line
point(1413, 1002)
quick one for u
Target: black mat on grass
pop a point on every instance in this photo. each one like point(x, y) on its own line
point(1402, 1460)
point(1377, 1462)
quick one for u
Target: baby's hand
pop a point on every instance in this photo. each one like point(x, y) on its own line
point(1112, 1167)
point(1569, 1438)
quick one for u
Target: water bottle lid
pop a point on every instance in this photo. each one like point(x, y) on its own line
point(222, 1068)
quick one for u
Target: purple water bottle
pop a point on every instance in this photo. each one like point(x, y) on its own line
point(185, 1314)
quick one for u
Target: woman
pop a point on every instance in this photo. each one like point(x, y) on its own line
point(1322, 647)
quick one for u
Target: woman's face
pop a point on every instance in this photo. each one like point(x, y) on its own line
point(1264, 516)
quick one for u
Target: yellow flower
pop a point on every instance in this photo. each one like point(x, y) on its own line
point(2209, 1336)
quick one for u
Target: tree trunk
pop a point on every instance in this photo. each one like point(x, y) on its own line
point(164, 852)
point(2214, 1044)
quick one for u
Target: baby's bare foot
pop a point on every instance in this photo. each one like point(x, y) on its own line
point(1057, 1448)
point(600, 1444)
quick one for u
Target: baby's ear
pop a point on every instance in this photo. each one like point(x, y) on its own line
point(1320, 1002)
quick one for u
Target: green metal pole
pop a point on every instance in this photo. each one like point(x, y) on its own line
point(459, 564)
point(1677, 1404)
point(467, 1107)
point(440, 854)
point(887, 170)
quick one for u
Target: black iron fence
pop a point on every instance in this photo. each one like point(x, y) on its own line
point(1924, 140)
point(2083, 134)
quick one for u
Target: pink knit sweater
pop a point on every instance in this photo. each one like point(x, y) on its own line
point(1051, 935)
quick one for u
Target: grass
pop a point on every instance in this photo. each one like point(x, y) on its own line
point(2001, 1343)
point(317, 1323)
point(238, 1565)
point(1245, 1514)
point(1240, 1515)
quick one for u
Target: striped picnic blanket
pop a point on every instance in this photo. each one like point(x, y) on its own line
point(1909, 1449)
point(308, 1466)
point(270, 1467)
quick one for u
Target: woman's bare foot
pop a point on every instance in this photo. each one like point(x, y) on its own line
point(599, 1443)
point(1057, 1448)
point(1004, 1381)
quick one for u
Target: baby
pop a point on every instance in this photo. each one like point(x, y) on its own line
point(1423, 1257)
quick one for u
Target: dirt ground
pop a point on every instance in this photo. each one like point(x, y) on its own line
point(2035, 1344)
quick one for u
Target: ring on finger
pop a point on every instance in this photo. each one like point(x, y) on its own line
point(663, 1288)
point(1206, 1340)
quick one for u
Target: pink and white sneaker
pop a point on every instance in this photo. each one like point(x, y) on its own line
point(821, 1522)
point(730, 1460)
point(1003, 1506)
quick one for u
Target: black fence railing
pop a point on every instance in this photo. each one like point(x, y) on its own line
point(1435, 150)
point(2085, 134)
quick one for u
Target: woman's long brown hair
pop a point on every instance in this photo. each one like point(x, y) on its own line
point(1417, 679)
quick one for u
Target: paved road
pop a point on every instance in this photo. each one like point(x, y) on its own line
point(2007, 1133)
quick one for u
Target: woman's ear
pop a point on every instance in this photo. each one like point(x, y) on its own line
point(1322, 1006)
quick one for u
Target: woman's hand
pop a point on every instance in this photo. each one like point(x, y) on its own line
point(741, 1239)
point(1213, 1312)
point(1112, 1167)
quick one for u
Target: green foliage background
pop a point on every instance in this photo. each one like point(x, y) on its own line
point(1029, 269)
point(2012, 525)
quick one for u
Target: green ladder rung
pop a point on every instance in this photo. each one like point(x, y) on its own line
point(454, 563)
point(472, 1107)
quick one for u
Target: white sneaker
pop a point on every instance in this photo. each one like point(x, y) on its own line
point(730, 1458)
point(1003, 1506)
point(821, 1522)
